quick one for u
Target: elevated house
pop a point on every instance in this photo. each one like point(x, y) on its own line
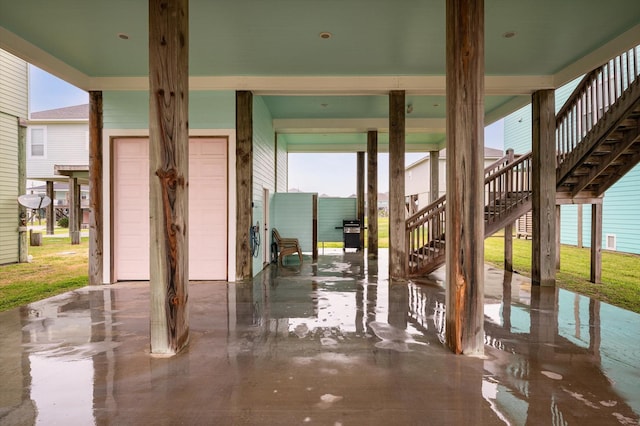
point(13, 112)
point(58, 153)
point(201, 97)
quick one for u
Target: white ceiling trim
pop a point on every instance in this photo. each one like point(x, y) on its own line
point(356, 125)
point(354, 147)
point(625, 41)
point(34, 55)
point(334, 85)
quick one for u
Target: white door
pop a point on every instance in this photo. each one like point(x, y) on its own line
point(207, 209)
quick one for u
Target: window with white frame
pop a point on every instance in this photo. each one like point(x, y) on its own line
point(37, 142)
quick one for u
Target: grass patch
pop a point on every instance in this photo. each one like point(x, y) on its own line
point(57, 267)
point(620, 272)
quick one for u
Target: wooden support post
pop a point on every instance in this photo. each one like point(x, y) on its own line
point(558, 222)
point(360, 196)
point(580, 226)
point(372, 194)
point(508, 229)
point(74, 229)
point(434, 178)
point(543, 258)
point(23, 246)
point(596, 244)
point(397, 215)
point(51, 208)
point(169, 174)
point(95, 189)
point(465, 177)
point(314, 209)
point(244, 182)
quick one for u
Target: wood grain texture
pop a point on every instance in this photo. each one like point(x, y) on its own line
point(96, 226)
point(74, 203)
point(543, 258)
point(372, 194)
point(23, 244)
point(360, 195)
point(51, 209)
point(596, 244)
point(465, 176)
point(397, 249)
point(244, 182)
point(168, 173)
point(434, 175)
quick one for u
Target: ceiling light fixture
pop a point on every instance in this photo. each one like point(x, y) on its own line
point(324, 105)
point(123, 36)
point(409, 108)
point(325, 35)
point(509, 34)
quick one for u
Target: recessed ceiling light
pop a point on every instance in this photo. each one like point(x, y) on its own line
point(436, 105)
point(325, 35)
point(509, 34)
point(123, 36)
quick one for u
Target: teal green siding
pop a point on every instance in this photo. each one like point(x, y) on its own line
point(207, 110)
point(264, 154)
point(331, 213)
point(282, 178)
point(293, 217)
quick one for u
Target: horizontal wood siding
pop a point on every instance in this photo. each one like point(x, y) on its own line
point(66, 144)
point(517, 130)
point(331, 213)
point(569, 225)
point(207, 110)
point(283, 166)
point(263, 168)
point(8, 188)
point(621, 213)
point(293, 217)
point(14, 76)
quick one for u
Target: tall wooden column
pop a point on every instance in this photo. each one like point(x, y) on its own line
point(95, 189)
point(508, 229)
point(169, 173)
point(596, 244)
point(543, 258)
point(465, 176)
point(434, 175)
point(360, 195)
point(51, 208)
point(23, 244)
point(74, 201)
point(397, 249)
point(372, 193)
point(244, 182)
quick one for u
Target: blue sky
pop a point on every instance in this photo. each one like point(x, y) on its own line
point(333, 174)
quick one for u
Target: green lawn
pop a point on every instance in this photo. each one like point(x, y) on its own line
point(620, 272)
point(57, 267)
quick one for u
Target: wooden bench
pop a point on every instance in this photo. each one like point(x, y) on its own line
point(286, 246)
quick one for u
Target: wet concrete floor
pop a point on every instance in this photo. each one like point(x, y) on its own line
point(329, 343)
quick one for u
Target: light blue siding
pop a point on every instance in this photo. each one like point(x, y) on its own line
point(264, 155)
point(569, 225)
point(207, 110)
point(282, 181)
point(331, 213)
point(293, 217)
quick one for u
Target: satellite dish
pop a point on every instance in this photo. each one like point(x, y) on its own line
point(33, 201)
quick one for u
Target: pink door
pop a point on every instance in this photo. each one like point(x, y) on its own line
point(207, 209)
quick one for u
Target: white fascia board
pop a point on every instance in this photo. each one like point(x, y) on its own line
point(321, 125)
point(40, 58)
point(334, 85)
point(623, 42)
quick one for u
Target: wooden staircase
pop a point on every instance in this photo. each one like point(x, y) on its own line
point(598, 142)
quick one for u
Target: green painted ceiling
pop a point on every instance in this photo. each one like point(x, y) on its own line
point(555, 40)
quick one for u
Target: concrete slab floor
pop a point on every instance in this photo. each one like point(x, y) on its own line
point(330, 343)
